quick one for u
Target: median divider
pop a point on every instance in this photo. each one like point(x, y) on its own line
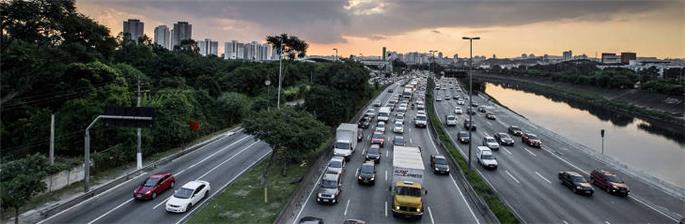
point(478, 191)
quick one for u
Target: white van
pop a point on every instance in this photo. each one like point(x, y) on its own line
point(384, 114)
point(486, 158)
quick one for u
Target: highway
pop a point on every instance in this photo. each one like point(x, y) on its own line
point(527, 177)
point(445, 202)
point(218, 162)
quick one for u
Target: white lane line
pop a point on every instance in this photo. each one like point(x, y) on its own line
point(485, 134)
point(153, 208)
point(386, 175)
point(540, 175)
point(607, 222)
point(221, 189)
point(430, 139)
point(512, 176)
point(430, 213)
point(386, 152)
point(410, 141)
point(308, 197)
point(464, 199)
point(346, 207)
point(567, 162)
point(564, 221)
point(94, 197)
point(110, 211)
point(507, 150)
point(524, 148)
point(386, 208)
point(653, 208)
point(489, 123)
point(212, 155)
point(229, 159)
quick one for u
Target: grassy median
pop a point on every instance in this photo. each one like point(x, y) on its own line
point(503, 213)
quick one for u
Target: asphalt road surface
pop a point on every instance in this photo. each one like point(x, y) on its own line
point(527, 177)
point(219, 163)
point(445, 203)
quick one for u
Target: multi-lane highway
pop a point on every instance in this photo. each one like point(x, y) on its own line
point(219, 163)
point(527, 177)
point(445, 202)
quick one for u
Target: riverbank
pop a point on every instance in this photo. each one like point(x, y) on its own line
point(656, 108)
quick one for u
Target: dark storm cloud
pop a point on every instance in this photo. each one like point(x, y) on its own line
point(328, 21)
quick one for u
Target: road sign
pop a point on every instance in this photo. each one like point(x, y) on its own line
point(129, 112)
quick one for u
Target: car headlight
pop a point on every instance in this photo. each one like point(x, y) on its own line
point(615, 187)
point(418, 209)
point(436, 168)
point(360, 177)
point(148, 192)
point(319, 195)
point(579, 187)
point(372, 178)
point(397, 207)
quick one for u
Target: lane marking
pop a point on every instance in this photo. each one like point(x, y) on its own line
point(222, 188)
point(512, 176)
point(489, 123)
point(607, 222)
point(524, 148)
point(564, 221)
point(464, 199)
point(386, 208)
point(653, 208)
point(386, 175)
point(386, 152)
point(94, 197)
point(229, 159)
point(153, 208)
point(410, 141)
point(212, 155)
point(567, 162)
point(435, 148)
point(506, 150)
point(430, 213)
point(308, 197)
point(346, 206)
point(540, 175)
point(110, 211)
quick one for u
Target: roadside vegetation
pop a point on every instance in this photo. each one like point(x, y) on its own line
point(496, 205)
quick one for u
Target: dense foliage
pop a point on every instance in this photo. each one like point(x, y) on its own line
point(20, 180)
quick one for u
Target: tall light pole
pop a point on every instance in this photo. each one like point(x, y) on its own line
point(336, 53)
point(430, 63)
point(280, 68)
point(470, 39)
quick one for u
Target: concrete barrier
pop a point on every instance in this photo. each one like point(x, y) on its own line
point(62, 179)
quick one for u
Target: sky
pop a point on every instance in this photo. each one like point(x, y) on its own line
point(507, 28)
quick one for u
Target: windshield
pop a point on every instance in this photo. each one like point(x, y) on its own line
point(329, 183)
point(451, 118)
point(335, 164)
point(490, 140)
point(151, 182)
point(373, 151)
point(504, 136)
point(533, 137)
point(440, 161)
point(421, 118)
point(408, 191)
point(578, 179)
point(342, 145)
point(614, 179)
point(377, 136)
point(488, 157)
point(383, 114)
point(398, 124)
point(367, 169)
point(183, 193)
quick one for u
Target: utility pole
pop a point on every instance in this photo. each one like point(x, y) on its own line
point(52, 139)
point(601, 133)
point(470, 92)
point(139, 153)
point(280, 68)
point(336, 53)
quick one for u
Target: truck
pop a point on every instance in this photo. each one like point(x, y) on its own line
point(406, 188)
point(345, 140)
point(407, 93)
point(384, 114)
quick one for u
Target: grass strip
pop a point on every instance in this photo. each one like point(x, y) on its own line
point(501, 211)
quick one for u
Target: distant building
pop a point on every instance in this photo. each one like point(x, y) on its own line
point(567, 55)
point(163, 36)
point(182, 31)
point(231, 50)
point(610, 58)
point(208, 47)
point(133, 28)
point(627, 56)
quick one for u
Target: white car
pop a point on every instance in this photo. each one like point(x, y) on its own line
point(399, 117)
point(451, 120)
point(336, 165)
point(458, 110)
point(398, 128)
point(380, 126)
point(187, 196)
point(460, 102)
point(491, 143)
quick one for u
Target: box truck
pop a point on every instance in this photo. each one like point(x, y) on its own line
point(406, 188)
point(345, 140)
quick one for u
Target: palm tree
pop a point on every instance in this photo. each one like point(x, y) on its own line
point(292, 46)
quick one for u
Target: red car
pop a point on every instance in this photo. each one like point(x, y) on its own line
point(531, 140)
point(609, 182)
point(378, 138)
point(154, 185)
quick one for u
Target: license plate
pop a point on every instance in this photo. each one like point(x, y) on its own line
point(325, 200)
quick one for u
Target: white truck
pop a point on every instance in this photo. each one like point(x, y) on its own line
point(407, 182)
point(384, 114)
point(345, 140)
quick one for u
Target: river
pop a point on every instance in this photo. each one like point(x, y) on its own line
point(635, 142)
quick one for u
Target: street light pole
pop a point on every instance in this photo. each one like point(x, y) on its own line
point(470, 39)
point(602, 134)
point(336, 53)
point(280, 68)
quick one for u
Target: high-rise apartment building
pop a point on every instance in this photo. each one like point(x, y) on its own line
point(133, 28)
point(182, 31)
point(568, 55)
point(163, 36)
point(208, 47)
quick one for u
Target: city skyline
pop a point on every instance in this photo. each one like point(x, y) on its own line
point(360, 27)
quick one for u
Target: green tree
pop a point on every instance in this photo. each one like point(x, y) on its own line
point(292, 46)
point(21, 180)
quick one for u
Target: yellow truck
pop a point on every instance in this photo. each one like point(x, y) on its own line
point(407, 182)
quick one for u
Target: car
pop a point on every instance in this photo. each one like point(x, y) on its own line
point(378, 138)
point(329, 189)
point(575, 182)
point(490, 116)
point(531, 140)
point(393, 100)
point(474, 104)
point(310, 220)
point(398, 127)
point(398, 140)
point(456, 97)
point(481, 109)
point(470, 111)
point(360, 135)
point(373, 153)
point(420, 121)
point(463, 137)
point(366, 173)
point(438, 99)
point(458, 110)
point(460, 102)
point(154, 185)
point(187, 196)
point(371, 113)
point(354, 221)
point(391, 90)
point(336, 165)
point(451, 120)
point(439, 164)
point(380, 127)
point(468, 125)
point(364, 123)
point(515, 130)
point(421, 112)
point(608, 181)
point(402, 109)
point(486, 158)
point(399, 117)
point(377, 103)
point(504, 139)
point(420, 106)
point(490, 142)
point(448, 97)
